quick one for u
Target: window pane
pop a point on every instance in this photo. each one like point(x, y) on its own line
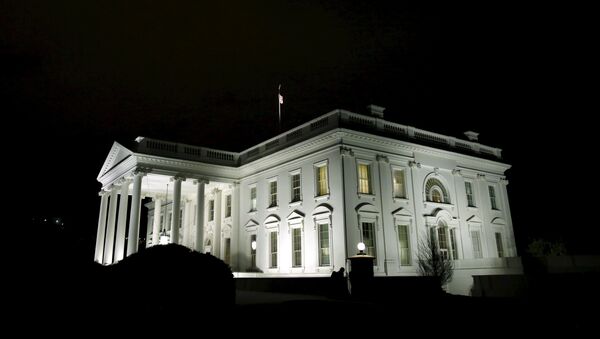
point(399, 190)
point(499, 245)
point(453, 243)
point(404, 246)
point(211, 210)
point(476, 240)
point(363, 179)
point(296, 187)
point(252, 250)
point(368, 230)
point(273, 193)
point(324, 245)
point(296, 247)
point(273, 236)
point(322, 184)
point(492, 197)
point(469, 190)
point(253, 198)
point(228, 206)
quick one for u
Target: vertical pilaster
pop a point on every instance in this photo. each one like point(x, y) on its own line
point(109, 243)
point(134, 217)
point(100, 235)
point(200, 214)
point(235, 227)
point(122, 224)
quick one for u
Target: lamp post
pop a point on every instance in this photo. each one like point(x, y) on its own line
point(361, 273)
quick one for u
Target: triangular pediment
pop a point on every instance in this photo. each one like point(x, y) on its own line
point(402, 211)
point(295, 215)
point(474, 218)
point(117, 154)
point(251, 225)
point(498, 221)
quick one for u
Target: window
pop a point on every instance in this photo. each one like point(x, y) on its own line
point(446, 242)
point(403, 245)
point(324, 245)
point(253, 250)
point(273, 242)
point(476, 240)
point(296, 247)
point(368, 233)
point(436, 192)
point(211, 210)
point(470, 198)
point(399, 189)
point(364, 178)
point(253, 198)
point(499, 245)
point(493, 197)
point(272, 193)
point(322, 180)
point(227, 206)
point(296, 187)
point(227, 256)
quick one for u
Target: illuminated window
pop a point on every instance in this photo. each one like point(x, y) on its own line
point(273, 193)
point(364, 178)
point(476, 240)
point(296, 187)
point(404, 245)
point(492, 192)
point(273, 248)
point(322, 180)
point(253, 198)
point(499, 246)
point(324, 255)
point(211, 210)
point(368, 234)
point(470, 197)
point(436, 192)
point(296, 247)
point(228, 206)
point(399, 189)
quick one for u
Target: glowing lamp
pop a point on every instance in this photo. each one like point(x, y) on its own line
point(361, 248)
point(164, 238)
point(253, 245)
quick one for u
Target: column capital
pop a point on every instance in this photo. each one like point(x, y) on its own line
point(123, 181)
point(102, 193)
point(141, 171)
point(346, 151)
point(177, 177)
point(480, 176)
point(457, 172)
point(436, 171)
point(201, 181)
point(414, 164)
point(503, 181)
point(383, 158)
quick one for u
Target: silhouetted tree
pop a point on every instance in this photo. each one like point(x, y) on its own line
point(432, 263)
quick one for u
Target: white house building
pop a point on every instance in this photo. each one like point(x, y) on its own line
point(299, 203)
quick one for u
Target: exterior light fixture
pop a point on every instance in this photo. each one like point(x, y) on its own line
point(361, 248)
point(164, 238)
point(253, 245)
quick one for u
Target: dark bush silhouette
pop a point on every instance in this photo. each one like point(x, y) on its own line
point(170, 278)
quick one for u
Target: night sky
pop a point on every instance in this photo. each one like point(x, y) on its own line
point(77, 75)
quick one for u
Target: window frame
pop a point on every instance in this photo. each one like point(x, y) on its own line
point(403, 172)
point(253, 202)
point(317, 170)
point(369, 167)
point(273, 197)
point(470, 202)
point(293, 199)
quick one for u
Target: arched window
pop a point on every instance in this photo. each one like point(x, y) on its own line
point(436, 192)
point(446, 240)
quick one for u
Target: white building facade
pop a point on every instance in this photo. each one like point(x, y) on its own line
point(299, 203)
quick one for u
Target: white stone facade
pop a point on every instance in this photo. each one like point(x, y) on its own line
point(308, 196)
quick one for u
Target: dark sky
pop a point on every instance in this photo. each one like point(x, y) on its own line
point(77, 75)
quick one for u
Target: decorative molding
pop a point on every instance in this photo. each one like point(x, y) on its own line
point(436, 171)
point(457, 172)
point(480, 176)
point(202, 180)
point(383, 158)
point(141, 170)
point(346, 151)
point(503, 181)
point(414, 164)
point(178, 177)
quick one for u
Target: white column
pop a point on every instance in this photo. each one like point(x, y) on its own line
point(122, 224)
point(235, 227)
point(218, 236)
point(176, 223)
point(156, 222)
point(134, 217)
point(186, 223)
point(200, 214)
point(101, 227)
point(510, 236)
point(109, 243)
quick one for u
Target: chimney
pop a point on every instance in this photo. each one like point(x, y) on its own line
point(376, 111)
point(472, 136)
